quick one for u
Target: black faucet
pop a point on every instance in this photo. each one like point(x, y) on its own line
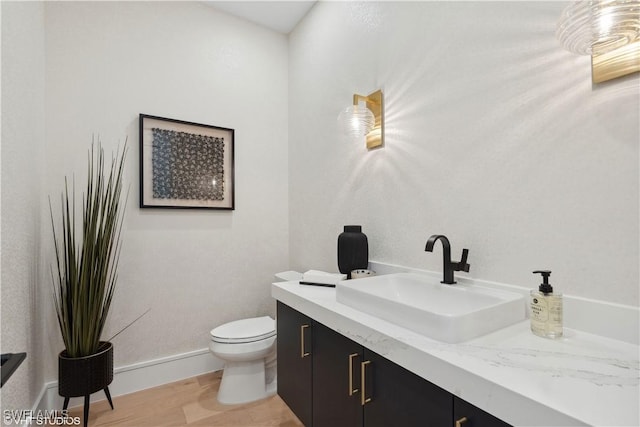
point(448, 266)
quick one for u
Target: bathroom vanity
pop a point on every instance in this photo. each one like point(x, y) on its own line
point(340, 366)
point(330, 380)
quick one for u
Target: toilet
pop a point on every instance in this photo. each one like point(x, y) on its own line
point(248, 348)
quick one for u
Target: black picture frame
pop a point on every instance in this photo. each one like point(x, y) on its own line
point(186, 165)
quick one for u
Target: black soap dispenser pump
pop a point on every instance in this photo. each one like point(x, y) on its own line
point(545, 287)
point(546, 309)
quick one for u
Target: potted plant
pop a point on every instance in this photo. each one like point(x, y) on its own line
point(84, 279)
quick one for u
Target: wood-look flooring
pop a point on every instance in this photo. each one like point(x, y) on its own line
point(190, 402)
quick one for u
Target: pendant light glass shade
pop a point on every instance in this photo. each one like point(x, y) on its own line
point(356, 121)
point(594, 27)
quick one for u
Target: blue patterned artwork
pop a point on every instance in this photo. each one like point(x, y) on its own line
point(187, 166)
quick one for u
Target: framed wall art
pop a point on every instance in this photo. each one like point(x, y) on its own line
point(185, 165)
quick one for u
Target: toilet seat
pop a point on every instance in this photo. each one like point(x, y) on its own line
point(245, 330)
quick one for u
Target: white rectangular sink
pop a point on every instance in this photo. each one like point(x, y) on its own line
point(449, 313)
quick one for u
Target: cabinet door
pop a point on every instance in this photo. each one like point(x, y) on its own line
point(336, 379)
point(401, 398)
point(467, 415)
point(294, 361)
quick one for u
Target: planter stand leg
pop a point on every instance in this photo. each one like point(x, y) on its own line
point(86, 410)
point(66, 404)
point(106, 391)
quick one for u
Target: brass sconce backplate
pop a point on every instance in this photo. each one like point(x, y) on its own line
point(375, 138)
point(617, 63)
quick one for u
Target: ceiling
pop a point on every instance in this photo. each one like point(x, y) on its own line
point(280, 16)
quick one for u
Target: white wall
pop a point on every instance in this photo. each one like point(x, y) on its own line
point(109, 61)
point(22, 163)
point(494, 137)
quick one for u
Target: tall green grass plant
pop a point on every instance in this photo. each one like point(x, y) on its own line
point(87, 252)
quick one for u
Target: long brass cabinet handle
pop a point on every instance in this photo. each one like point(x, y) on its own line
point(352, 391)
point(303, 353)
point(363, 369)
point(461, 421)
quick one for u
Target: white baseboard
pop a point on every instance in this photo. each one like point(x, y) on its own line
point(139, 376)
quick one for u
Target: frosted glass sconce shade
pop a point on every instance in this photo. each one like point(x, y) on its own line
point(608, 30)
point(356, 121)
point(594, 27)
point(364, 118)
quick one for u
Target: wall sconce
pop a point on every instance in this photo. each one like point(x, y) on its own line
point(360, 120)
point(608, 30)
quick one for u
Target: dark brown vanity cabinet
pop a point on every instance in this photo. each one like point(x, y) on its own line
point(353, 386)
point(467, 415)
point(294, 361)
point(336, 379)
point(329, 380)
point(401, 398)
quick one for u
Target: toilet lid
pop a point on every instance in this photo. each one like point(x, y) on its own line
point(245, 330)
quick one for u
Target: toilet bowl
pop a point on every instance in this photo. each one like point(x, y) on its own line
point(248, 348)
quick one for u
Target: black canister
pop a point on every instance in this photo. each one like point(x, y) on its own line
point(353, 250)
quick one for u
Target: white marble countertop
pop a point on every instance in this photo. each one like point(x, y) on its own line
point(525, 380)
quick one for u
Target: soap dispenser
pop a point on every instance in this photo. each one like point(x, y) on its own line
point(546, 309)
